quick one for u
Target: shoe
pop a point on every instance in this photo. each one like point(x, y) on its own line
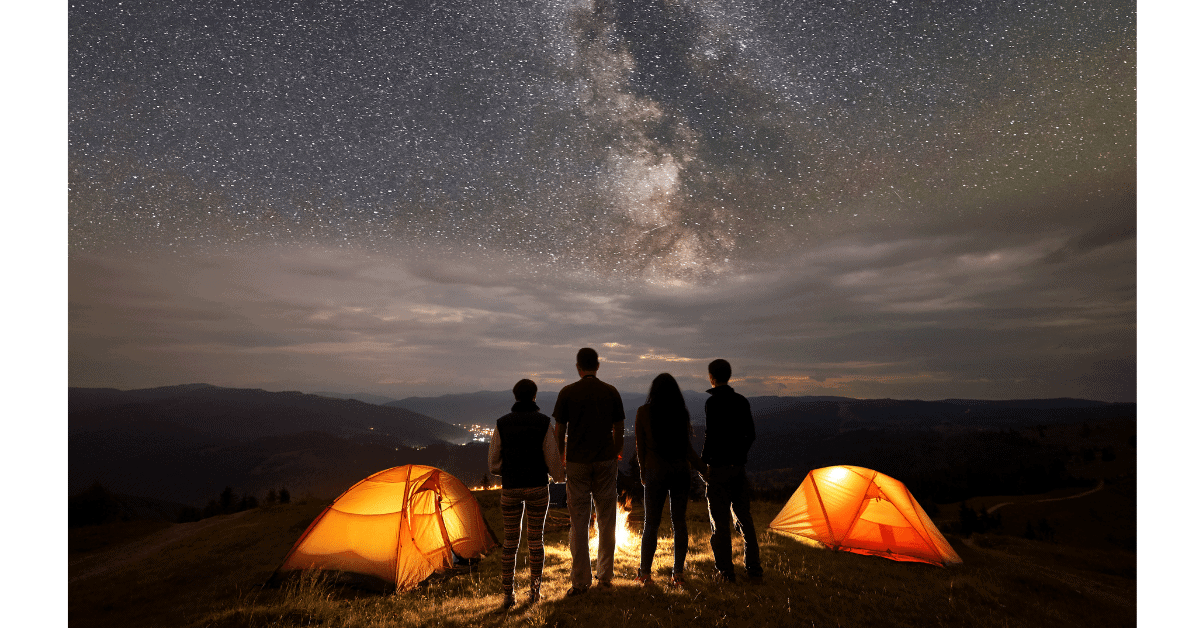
point(508, 602)
point(722, 577)
point(605, 585)
point(535, 595)
point(574, 591)
point(758, 579)
point(677, 580)
point(643, 579)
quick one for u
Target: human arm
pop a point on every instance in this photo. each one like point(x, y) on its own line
point(619, 425)
point(693, 458)
point(705, 452)
point(494, 461)
point(561, 415)
point(554, 461)
point(639, 442)
point(560, 435)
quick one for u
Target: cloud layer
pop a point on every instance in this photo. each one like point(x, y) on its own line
point(921, 316)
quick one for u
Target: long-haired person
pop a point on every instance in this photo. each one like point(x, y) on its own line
point(662, 437)
point(522, 452)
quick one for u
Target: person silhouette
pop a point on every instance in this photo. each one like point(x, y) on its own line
point(662, 438)
point(590, 426)
point(523, 451)
point(727, 438)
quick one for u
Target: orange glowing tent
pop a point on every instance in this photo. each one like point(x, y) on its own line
point(394, 529)
point(858, 510)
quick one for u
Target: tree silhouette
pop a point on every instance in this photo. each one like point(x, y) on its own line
point(284, 496)
point(227, 499)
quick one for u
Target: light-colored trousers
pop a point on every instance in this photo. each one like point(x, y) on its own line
point(587, 483)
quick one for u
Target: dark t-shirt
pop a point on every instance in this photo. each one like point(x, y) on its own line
point(588, 408)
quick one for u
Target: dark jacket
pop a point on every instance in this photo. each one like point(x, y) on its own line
point(730, 430)
point(522, 434)
point(658, 459)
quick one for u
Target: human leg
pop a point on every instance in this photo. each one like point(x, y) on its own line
point(655, 497)
point(604, 494)
point(511, 508)
point(718, 496)
point(740, 503)
point(679, 497)
point(536, 506)
point(579, 506)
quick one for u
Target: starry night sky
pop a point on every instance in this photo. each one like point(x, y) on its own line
point(871, 199)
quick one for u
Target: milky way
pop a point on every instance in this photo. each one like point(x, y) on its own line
point(644, 144)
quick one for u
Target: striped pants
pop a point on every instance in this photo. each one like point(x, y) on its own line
point(535, 502)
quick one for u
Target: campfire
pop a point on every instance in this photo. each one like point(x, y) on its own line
point(627, 540)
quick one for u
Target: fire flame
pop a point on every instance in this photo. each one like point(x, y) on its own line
point(627, 540)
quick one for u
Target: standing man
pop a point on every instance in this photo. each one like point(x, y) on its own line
point(590, 427)
point(727, 440)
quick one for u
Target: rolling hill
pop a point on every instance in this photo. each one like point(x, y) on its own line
point(245, 413)
point(186, 443)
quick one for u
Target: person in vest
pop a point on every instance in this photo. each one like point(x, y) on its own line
point(522, 452)
point(662, 438)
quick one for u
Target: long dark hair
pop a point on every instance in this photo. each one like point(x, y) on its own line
point(670, 423)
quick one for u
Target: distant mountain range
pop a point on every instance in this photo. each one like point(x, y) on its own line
point(788, 414)
point(242, 413)
point(184, 444)
point(378, 400)
point(485, 407)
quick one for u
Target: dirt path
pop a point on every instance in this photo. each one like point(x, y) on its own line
point(98, 563)
point(1099, 486)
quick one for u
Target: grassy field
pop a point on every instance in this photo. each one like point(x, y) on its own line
point(210, 574)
